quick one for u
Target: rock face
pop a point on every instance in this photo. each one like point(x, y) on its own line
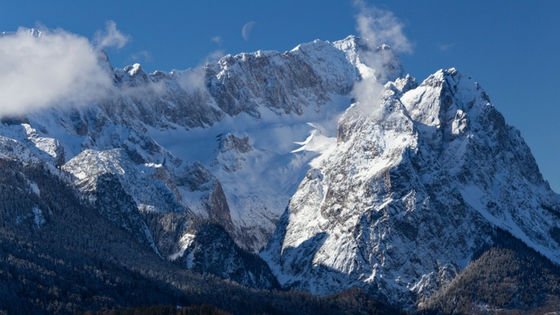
point(232, 149)
point(208, 248)
point(418, 182)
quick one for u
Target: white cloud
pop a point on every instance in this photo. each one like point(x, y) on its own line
point(111, 37)
point(445, 47)
point(214, 56)
point(51, 68)
point(141, 56)
point(217, 39)
point(381, 27)
point(377, 27)
point(192, 80)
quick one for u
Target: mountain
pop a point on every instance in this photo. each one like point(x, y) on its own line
point(421, 179)
point(325, 169)
point(203, 142)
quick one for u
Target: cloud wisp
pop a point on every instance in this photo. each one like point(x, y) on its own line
point(112, 37)
point(214, 56)
point(381, 27)
point(445, 47)
point(217, 39)
point(378, 27)
point(52, 67)
point(194, 80)
point(141, 56)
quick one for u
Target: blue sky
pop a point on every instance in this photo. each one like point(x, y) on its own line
point(510, 47)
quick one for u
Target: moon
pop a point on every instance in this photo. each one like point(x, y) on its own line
point(246, 31)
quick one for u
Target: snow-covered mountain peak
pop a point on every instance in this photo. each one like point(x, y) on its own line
point(444, 95)
point(414, 187)
point(352, 43)
point(35, 32)
point(133, 69)
point(133, 75)
point(402, 85)
point(380, 63)
point(30, 31)
point(311, 47)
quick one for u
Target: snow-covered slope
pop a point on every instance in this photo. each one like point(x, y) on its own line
point(419, 180)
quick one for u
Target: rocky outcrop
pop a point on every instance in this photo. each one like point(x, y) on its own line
point(207, 248)
point(232, 149)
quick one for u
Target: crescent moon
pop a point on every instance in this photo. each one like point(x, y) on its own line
point(246, 31)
